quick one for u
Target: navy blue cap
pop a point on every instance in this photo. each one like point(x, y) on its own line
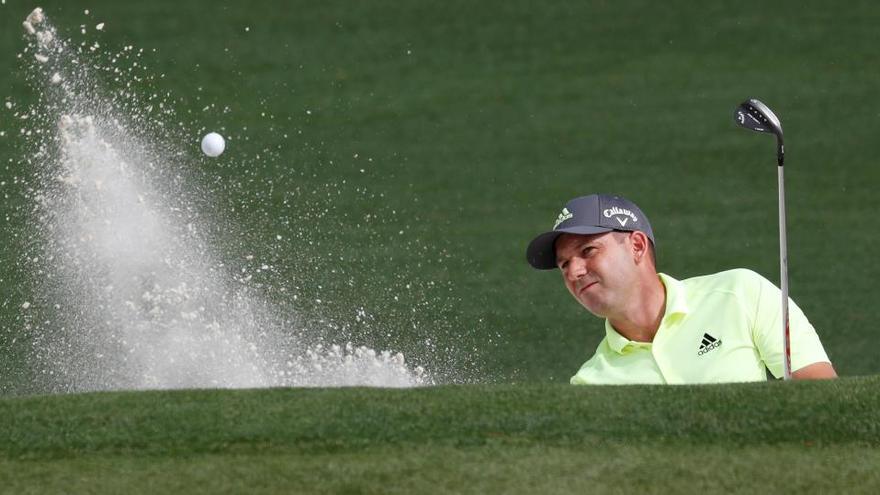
point(591, 214)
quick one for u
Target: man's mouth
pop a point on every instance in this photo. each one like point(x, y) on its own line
point(586, 286)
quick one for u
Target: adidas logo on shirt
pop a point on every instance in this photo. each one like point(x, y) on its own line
point(709, 343)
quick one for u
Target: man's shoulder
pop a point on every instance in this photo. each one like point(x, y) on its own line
point(733, 280)
point(606, 368)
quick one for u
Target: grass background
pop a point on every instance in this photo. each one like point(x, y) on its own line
point(474, 123)
point(466, 126)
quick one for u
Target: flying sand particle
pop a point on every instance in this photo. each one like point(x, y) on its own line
point(36, 16)
point(44, 38)
point(33, 19)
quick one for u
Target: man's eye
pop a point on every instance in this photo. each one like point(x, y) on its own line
point(563, 265)
point(587, 250)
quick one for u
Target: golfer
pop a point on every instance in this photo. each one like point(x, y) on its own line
point(716, 328)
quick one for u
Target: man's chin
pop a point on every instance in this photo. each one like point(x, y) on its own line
point(597, 311)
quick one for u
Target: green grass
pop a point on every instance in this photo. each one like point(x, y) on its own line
point(495, 469)
point(455, 439)
point(473, 123)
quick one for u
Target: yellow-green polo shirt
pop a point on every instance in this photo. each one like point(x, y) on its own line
point(724, 327)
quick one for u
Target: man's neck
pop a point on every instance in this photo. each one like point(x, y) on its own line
point(641, 318)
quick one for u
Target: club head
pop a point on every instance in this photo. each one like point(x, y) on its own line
point(754, 115)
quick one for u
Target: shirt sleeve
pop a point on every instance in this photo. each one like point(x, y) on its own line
point(806, 348)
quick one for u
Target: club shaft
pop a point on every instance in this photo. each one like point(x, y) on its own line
point(783, 276)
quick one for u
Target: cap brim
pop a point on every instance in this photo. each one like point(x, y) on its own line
point(541, 252)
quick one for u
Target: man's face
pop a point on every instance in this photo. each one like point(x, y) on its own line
point(598, 269)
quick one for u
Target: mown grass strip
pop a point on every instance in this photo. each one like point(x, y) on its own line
point(349, 420)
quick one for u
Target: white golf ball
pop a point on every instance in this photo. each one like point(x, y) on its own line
point(213, 144)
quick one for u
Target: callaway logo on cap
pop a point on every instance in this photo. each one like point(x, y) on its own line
point(591, 214)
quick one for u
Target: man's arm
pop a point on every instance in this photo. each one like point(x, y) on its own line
point(808, 357)
point(815, 371)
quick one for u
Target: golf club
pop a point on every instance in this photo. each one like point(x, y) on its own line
point(754, 115)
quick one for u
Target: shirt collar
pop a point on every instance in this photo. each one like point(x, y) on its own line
point(615, 341)
point(676, 306)
point(676, 297)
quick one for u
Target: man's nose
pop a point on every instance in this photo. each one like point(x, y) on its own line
point(576, 269)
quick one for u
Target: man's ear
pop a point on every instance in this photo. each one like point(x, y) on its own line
point(640, 245)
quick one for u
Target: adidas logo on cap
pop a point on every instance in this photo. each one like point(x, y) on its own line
point(565, 215)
